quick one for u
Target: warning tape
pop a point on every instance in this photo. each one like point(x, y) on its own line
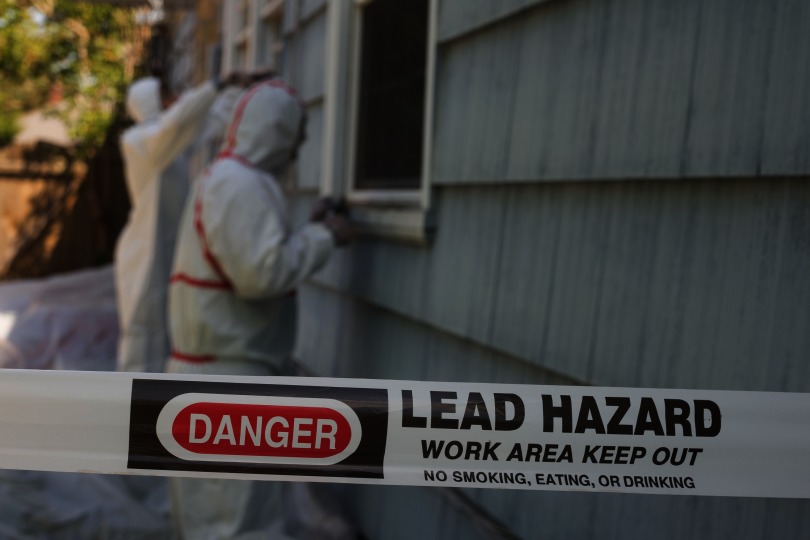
point(628, 440)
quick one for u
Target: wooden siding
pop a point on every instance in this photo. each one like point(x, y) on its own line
point(312, 41)
point(406, 513)
point(304, 68)
point(292, 10)
point(341, 335)
point(310, 7)
point(587, 89)
point(458, 17)
point(542, 515)
point(699, 283)
point(694, 284)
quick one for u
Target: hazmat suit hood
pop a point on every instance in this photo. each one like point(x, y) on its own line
point(265, 127)
point(143, 99)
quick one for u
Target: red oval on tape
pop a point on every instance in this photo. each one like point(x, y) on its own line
point(240, 429)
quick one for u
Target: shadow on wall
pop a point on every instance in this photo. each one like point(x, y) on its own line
point(74, 220)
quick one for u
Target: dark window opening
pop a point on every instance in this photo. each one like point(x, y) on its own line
point(390, 120)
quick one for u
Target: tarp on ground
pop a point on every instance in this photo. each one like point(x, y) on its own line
point(63, 322)
point(69, 322)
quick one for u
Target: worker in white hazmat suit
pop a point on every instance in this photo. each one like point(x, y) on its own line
point(157, 181)
point(232, 308)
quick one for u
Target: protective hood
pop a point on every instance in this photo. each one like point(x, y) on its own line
point(265, 126)
point(143, 99)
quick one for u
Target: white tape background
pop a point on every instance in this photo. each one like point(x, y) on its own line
point(79, 421)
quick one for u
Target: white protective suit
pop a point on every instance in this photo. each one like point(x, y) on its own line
point(231, 303)
point(212, 133)
point(157, 180)
point(237, 261)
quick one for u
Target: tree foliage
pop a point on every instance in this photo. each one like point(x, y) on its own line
point(86, 52)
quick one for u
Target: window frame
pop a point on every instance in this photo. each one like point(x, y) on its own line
point(403, 214)
point(245, 36)
point(271, 14)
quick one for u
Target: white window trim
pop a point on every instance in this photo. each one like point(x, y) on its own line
point(246, 37)
point(397, 214)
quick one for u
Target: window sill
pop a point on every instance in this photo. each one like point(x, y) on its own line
point(411, 225)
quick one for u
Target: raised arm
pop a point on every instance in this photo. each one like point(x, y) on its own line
point(180, 123)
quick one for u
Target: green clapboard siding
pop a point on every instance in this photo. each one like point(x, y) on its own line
point(587, 89)
point(341, 335)
point(541, 515)
point(304, 68)
point(309, 7)
point(539, 273)
point(405, 513)
point(306, 58)
point(457, 17)
point(696, 284)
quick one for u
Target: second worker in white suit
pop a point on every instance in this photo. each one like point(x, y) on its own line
point(157, 179)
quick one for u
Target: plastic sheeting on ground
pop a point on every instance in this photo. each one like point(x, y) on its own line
point(63, 322)
point(42, 505)
point(70, 322)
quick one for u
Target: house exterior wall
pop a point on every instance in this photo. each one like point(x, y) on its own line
point(208, 38)
point(586, 89)
point(304, 67)
point(621, 198)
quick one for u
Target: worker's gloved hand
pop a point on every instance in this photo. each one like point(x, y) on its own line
point(340, 227)
point(321, 209)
